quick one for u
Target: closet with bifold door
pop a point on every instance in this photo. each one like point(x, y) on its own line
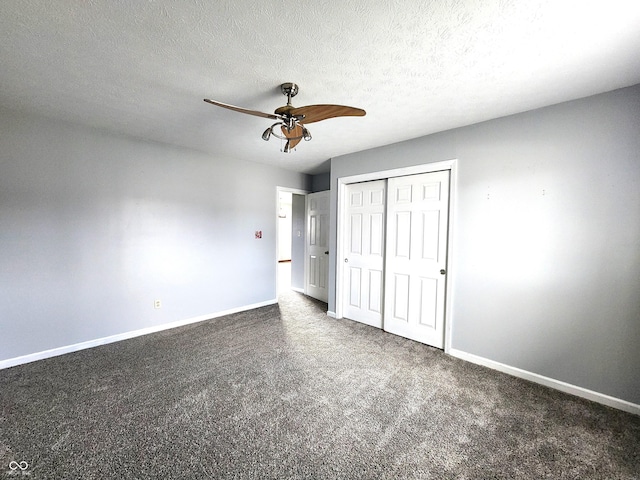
point(395, 254)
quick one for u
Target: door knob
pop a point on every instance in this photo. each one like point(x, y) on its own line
point(442, 271)
point(346, 260)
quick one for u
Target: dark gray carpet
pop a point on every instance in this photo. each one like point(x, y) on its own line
point(286, 392)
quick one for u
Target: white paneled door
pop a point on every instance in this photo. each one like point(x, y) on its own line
point(317, 268)
point(416, 256)
point(364, 252)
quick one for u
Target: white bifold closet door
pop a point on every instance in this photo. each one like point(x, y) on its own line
point(416, 256)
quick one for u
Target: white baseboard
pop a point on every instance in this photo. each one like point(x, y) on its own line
point(331, 314)
point(54, 352)
point(549, 382)
point(299, 290)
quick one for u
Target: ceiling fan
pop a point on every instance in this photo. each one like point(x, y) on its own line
point(292, 120)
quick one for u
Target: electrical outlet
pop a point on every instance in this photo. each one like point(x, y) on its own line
point(157, 304)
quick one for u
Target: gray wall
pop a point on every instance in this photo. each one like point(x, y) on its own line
point(298, 216)
point(546, 249)
point(94, 227)
point(320, 182)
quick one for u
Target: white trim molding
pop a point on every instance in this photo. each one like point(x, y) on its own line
point(548, 382)
point(54, 352)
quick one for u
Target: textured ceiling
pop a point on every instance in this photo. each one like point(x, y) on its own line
point(417, 67)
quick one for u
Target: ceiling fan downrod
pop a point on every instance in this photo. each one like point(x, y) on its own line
point(290, 90)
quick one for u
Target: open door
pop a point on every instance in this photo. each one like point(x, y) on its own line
point(317, 255)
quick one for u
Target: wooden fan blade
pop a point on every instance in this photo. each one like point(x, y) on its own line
point(243, 110)
point(294, 135)
point(315, 113)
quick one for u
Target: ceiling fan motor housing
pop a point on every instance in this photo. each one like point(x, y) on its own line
point(289, 89)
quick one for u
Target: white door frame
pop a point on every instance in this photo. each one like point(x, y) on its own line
point(450, 165)
point(295, 191)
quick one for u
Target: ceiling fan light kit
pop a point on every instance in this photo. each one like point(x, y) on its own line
point(292, 120)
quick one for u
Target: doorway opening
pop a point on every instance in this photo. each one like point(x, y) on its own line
point(290, 236)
